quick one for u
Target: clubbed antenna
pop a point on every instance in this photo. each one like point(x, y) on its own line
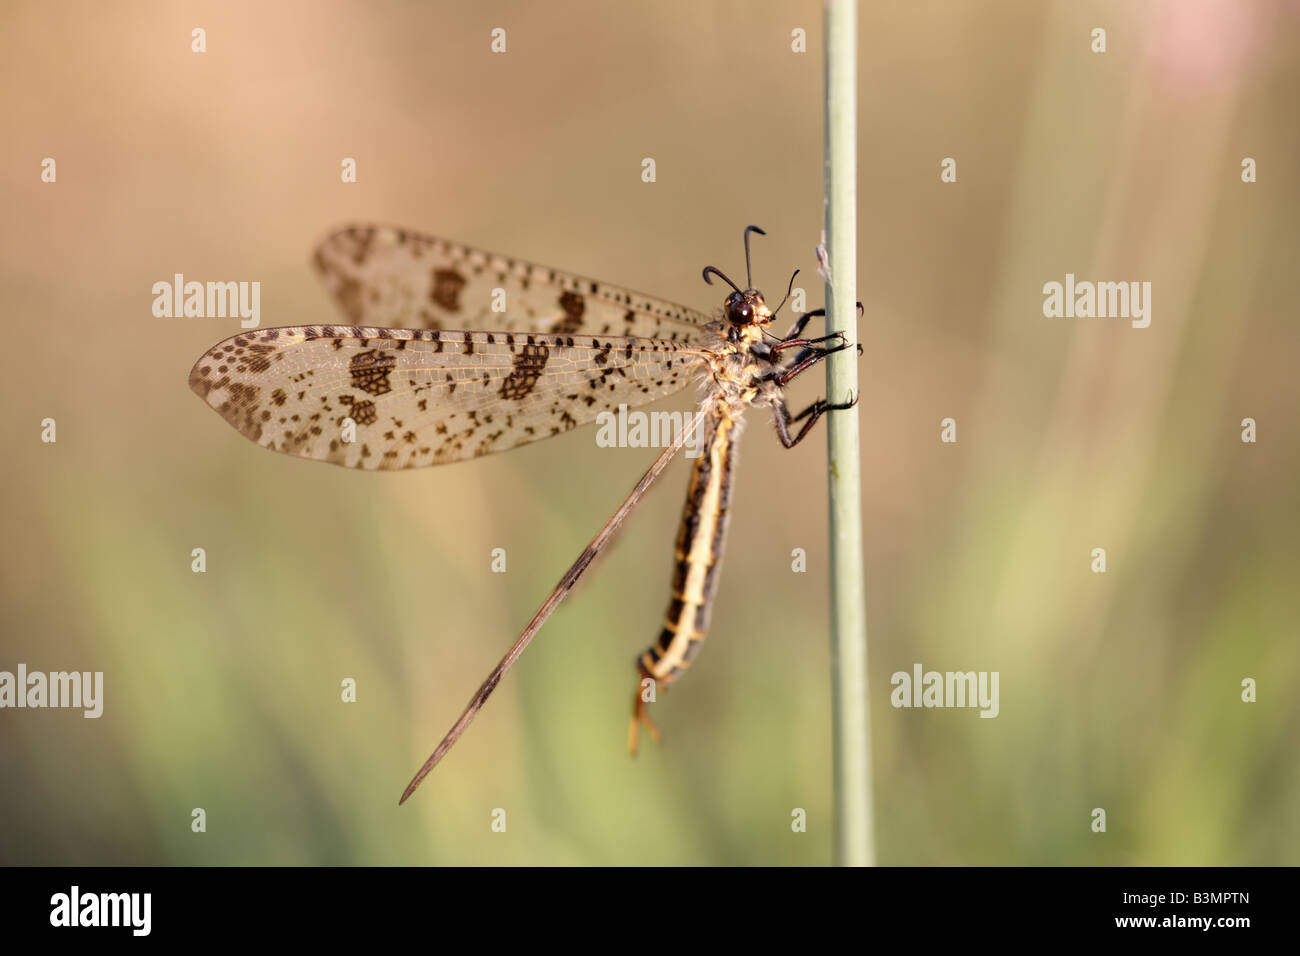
point(749, 279)
point(720, 274)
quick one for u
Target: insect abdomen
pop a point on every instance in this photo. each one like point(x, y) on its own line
point(700, 543)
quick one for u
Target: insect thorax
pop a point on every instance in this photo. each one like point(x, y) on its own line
point(738, 371)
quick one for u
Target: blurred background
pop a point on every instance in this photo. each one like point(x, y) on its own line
point(1119, 690)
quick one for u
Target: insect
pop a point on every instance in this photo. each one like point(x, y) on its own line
point(400, 388)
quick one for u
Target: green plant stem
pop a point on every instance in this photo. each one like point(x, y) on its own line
point(854, 843)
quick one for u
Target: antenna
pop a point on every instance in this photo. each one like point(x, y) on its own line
point(720, 274)
point(749, 281)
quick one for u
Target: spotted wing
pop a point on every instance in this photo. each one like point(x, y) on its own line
point(426, 397)
point(384, 276)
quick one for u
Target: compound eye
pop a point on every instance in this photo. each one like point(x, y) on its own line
point(742, 313)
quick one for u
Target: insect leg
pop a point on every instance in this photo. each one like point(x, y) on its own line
point(781, 415)
point(805, 353)
point(804, 343)
point(800, 322)
point(805, 360)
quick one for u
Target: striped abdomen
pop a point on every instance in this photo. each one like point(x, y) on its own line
point(699, 556)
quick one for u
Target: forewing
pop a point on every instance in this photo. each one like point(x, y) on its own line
point(384, 276)
point(426, 397)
